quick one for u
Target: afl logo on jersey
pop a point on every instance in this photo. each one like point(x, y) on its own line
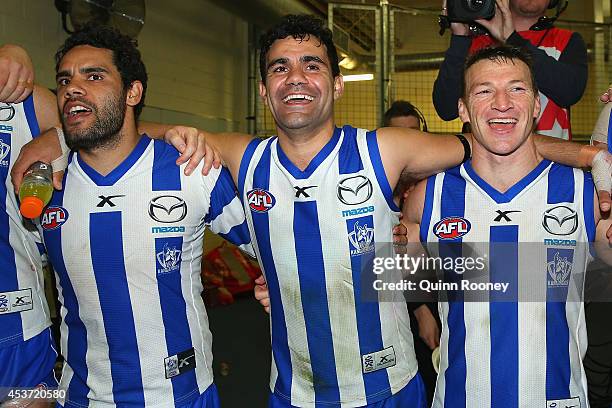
point(260, 200)
point(53, 217)
point(452, 228)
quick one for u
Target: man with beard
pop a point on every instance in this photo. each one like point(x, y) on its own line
point(560, 59)
point(523, 347)
point(125, 237)
point(27, 350)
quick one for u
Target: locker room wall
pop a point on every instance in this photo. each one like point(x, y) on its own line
point(195, 52)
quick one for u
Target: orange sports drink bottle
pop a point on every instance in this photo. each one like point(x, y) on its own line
point(36, 189)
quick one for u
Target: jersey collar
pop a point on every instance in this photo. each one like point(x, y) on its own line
point(118, 172)
point(314, 163)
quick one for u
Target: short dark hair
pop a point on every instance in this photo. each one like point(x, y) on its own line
point(400, 109)
point(126, 56)
point(300, 27)
point(500, 53)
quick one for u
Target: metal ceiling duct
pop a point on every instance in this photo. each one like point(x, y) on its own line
point(418, 62)
point(263, 13)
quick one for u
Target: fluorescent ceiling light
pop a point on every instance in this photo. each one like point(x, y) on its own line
point(362, 77)
point(348, 63)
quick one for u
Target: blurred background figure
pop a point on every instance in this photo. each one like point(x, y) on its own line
point(404, 114)
point(424, 319)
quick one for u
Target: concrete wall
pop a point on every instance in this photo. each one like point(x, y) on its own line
point(195, 52)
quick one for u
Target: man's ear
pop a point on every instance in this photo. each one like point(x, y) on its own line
point(537, 106)
point(263, 92)
point(463, 111)
point(338, 86)
point(134, 94)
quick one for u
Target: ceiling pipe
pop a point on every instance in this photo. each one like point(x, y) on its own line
point(264, 13)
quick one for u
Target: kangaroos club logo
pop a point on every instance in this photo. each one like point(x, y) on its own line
point(452, 227)
point(53, 217)
point(260, 200)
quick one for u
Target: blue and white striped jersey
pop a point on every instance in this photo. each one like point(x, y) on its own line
point(23, 307)
point(126, 249)
point(312, 231)
point(524, 347)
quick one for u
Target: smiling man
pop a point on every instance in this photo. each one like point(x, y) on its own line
point(318, 198)
point(524, 348)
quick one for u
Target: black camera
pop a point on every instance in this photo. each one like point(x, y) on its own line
point(466, 11)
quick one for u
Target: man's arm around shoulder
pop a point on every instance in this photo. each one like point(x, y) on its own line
point(417, 153)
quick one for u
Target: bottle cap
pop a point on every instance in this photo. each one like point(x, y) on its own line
point(31, 207)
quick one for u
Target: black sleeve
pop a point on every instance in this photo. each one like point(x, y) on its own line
point(563, 81)
point(447, 87)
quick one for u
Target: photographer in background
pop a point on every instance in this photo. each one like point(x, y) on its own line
point(560, 59)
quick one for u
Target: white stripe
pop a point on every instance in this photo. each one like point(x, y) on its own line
point(143, 290)
point(393, 310)
point(201, 337)
point(67, 373)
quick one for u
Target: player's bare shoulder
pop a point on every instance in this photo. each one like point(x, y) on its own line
point(45, 105)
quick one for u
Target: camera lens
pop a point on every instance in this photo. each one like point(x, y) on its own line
point(475, 5)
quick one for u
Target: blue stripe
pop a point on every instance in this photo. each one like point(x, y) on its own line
point(558, 370)
point(174, 315)
point(105, 235)
point(221, 195)
point(261, 226)
point(238, 234)
point(610, 132)
point(112, 177)
point(313, 292)
point(560, 184)
point(427, 208)
point(30, 113)
point(512, 191)
point(12, 331)
point(367, 312)
point(560, 189)
point(41, 248)
point(244, 163)
point(166, 174)
point(588, 206)
point(314, 163)
point(349, 159)
point(76, 343)
point(379, 170)
point(503, 314)
point(453, 205)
